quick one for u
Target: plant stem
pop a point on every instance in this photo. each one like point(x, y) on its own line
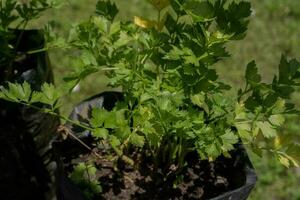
point(120, 154)
point(46, 49)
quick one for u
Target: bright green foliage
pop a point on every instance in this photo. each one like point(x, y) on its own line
point(17, 92)
point(84, 176)
point(23, 93)
point(174, 102)
point(48, 95)
point(173, 97)
point(263, 110)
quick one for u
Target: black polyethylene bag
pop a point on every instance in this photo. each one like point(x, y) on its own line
point(25, 133)
point(244, 177)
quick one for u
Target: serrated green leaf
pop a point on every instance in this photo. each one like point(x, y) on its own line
point(228, 140)
point(284, 71)
point(279, 106)
point(252, 75)
point(240, 113)
point(110, 120)
point(19, 92)
point(50, 94)
point(163, 103)
point(137, 140)
point(212, 151)
point(106, 9)
point(84, 176)
point(200, 11)
point(284, 161)
point(293, 154)
point(277, 120)
point(244, 130)
point(98, 117)
point(6, 95)
point(199, 100)
point(114, 141)
point(270, 100)
point(123, 40)
point(145, 97)
point(101, 23)
point(241, 9)
point(267, 129)
point(26, 91)
point(115, 28)
point(88, 58)
point(174, 54)
point(100, 133)
point(36, 97)
point(122, 132)
point(120, 117)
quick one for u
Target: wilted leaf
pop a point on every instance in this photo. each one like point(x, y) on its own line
point(144, 23)
point(283, 160)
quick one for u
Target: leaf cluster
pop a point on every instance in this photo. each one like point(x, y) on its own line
point(84, 176)
point(14, 15)
point(174, 102)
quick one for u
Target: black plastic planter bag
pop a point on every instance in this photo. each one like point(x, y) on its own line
point(244, 177)
point(25, 133)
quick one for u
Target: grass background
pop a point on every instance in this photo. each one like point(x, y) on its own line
point(274, 29)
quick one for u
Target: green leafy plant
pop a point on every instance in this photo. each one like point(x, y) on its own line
point(16, 15)
point(174, 102)
point(84, 176)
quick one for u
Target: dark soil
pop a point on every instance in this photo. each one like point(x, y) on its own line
point(198, 180)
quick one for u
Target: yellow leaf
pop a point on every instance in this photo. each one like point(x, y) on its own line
point(277, 142)
point(160, 4)
point(293, 161)
point(144, 23)
point(284, 161)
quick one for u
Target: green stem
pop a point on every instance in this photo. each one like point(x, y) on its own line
point(120, 154)
point(46, 49)
point(158, 17)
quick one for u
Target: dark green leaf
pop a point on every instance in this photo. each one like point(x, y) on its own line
point(107, 9)
point(200, 10)
point(252, 75)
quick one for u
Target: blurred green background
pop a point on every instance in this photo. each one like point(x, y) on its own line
point(274, 29)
